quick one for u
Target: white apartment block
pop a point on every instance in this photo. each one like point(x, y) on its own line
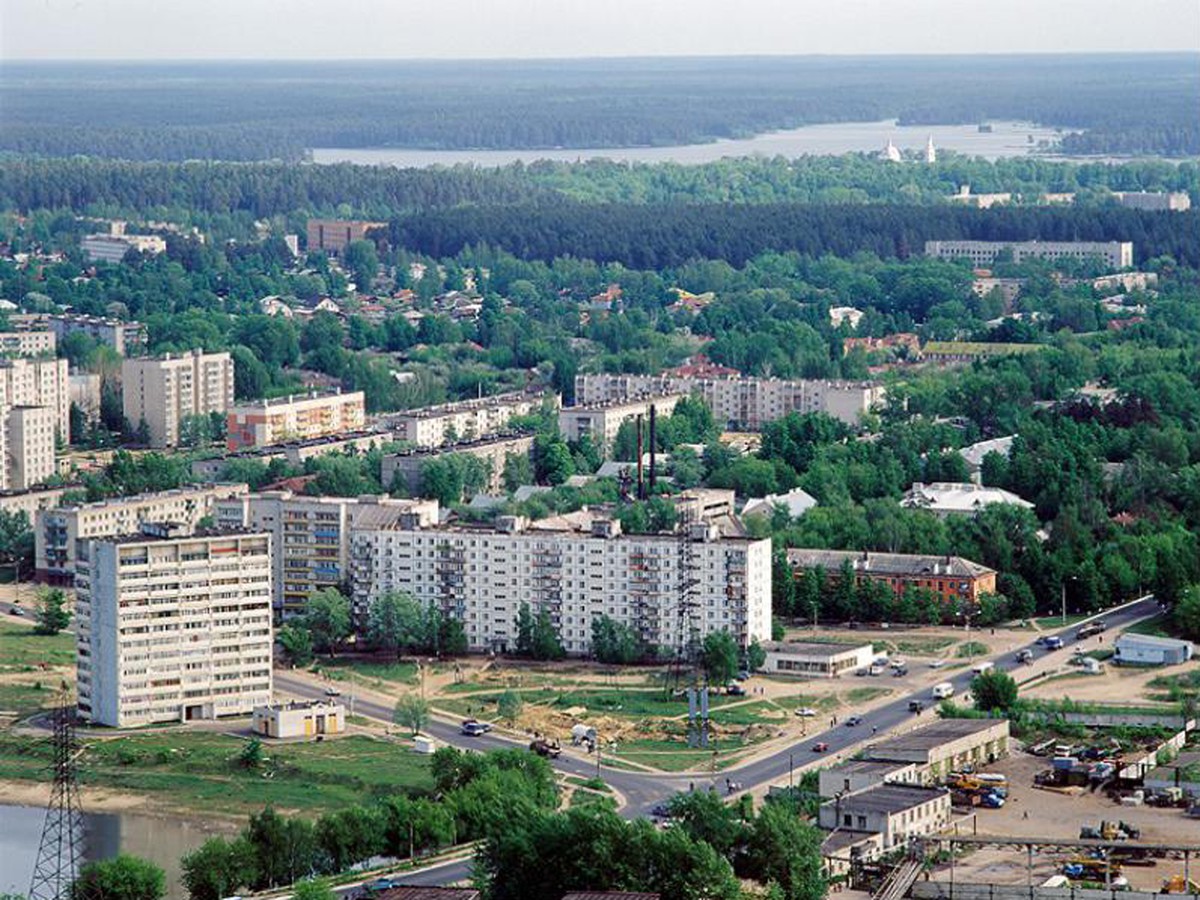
point(112, 248)
point(311, 535)
point(266, 422)
point(602, 421)
point(29, 446)
point(173, 627)
point(433, 426)
point(741, 402)
point(38, 382)
point(59, 532)
point(410, 464)
point(669, 588)
point(1174, 201)
point(163, 392)
point(28, 343)
point(1114, 254)
point(127, 338)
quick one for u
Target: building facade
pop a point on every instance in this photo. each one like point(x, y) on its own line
point(602, 421)
point(111, 248)
point(1114, 254)
point(496, 452)
point(671, 589)
point(165, 392)
point(294, 452)
point(28, 343)
point(950, 577)
point(740, 402)
point(816, 660)
point(895, 811)
point(945, 746)
point(30, 446)
point(299, 719)
point(58, 531)
point(265, 422)
point(333, 235)
point(311, 536)
point(38, 382)
point(1158, 201)
point(173, 627)
point(448, 423)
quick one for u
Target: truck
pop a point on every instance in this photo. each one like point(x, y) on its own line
point(1090, 628)
point(545, 749)
point(942, 690)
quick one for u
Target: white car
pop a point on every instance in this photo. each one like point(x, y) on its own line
point(936, 663)
point(806, 712)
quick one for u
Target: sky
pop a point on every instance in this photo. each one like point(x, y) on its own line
point(523, 29)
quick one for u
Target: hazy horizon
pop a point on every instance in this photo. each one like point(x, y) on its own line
point(549, 30)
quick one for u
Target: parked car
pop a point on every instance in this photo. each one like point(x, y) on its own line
point(381, 884)
point(16, 611)
point(474, 728)
point(860, 672)
point(899, 671)
point(854, 720)
point(545, 749)
point(332, 692)
point(806, 712)
point(743, 675)
point(661, 811)
point(820, 747)
point(1054, 642)
point(735, 690)
point(936, 663)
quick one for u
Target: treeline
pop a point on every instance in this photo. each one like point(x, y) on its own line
point(239, 111)
point(656, 236)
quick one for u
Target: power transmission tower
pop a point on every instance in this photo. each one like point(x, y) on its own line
point(60, 852)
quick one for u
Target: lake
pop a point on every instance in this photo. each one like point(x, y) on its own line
point(1005, 139)
point(162, 840)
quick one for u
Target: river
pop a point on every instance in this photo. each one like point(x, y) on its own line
point(1005, 139)
point(162, 840)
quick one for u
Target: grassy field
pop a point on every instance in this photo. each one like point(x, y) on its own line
point(972, 648)
point(633, 704)
point(1158, 626)
point(929, 646)
point(200, 770)
point(23, 651)
point(23, 699)
point(369, 673)
point(866, 694)
point(1053, 623)
point(1179, 687)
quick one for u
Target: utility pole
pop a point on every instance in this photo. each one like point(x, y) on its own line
point(791, 765)
point(60, 852)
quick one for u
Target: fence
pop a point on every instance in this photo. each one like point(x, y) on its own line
point(944, 890)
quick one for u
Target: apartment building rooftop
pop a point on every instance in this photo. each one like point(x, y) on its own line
point(932, 736)
point(958, 497)
point(153, 496)
point(442, 409)
point(887, 563)
point(290, 399)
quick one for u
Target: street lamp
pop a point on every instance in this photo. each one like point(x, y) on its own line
point(1064, 596)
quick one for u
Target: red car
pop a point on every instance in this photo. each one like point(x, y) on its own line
point(820, 747)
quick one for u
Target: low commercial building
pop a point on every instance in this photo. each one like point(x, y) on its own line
point(299, 719)
point(945, 746)
point(859, 774)
point(334, 235)
point(28, 343)
point(173, 627)
point(111, 248)
point(1156, 201)
point(949, 498)
point(261, 423)
point(897, 812)
point(602, 421)
point(950, 577)
point(815, 660)
point(404, 468)
point(57, 532)
point(1148, 650)
point(1114, 254)
point(448, 423)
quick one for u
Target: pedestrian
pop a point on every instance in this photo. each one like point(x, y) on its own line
point(691, 787)
point(874, 729)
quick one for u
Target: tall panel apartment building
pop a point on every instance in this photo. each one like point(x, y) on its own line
point(173, 627)
point(163, 392)
point(29, 446)
point(58, 532)
point(672, 589)
point(333, 235)
point(741, 402)
point(311, 536)
point(38, 382)
point(264, 422)
point(602, 421)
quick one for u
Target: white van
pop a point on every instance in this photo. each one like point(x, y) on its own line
point(942, 691)
point(980, 667)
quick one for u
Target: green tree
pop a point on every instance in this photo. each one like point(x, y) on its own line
point(545, 642)
point(756, 656)
point(786, 850)
point(1187, 613)
point(327, 617)
point(313, 889)
point(218, 868)
point(251, 756)
point(284, 849)
point(524, 624)
point(411, 712)
point(508, 707)
point(994, 690)
point(719, 656)
point(395, 621)
point(361, 260)
point(706, 817)
point(518, 470)
point(615, 642)
point(51, 613)
point(121, 878)
point(297, 644)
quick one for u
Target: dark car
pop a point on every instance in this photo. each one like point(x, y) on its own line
point(854, 720)
point(735, 690)
point(474, 728)
point(915, 705)
point(1024, 656)
point(820, 747)
point(380, 884)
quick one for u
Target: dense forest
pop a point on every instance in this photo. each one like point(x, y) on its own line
point(251, 111)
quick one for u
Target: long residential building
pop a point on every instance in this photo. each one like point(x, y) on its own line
point(670, 588)
point(58, 532)
point(409, 465)
point(126, 338)
point(38, 382)
point(334, 235)
point(311, 535)
point(1162, 201)
point(294, 452)
point(435, 426)
point(28, 343)
point(173, 627)
point(261, 423)
point(602, 421)
point(164, 392)
point(950, 577)
point(1114, 254)
point(740, 402)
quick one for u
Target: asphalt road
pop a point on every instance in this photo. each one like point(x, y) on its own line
point(642, 791)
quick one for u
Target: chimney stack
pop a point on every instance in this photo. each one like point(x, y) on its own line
point(641, 484)
point(653, 446)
